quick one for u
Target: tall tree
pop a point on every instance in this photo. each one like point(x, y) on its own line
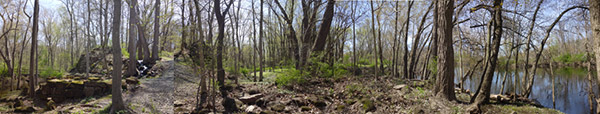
point(483, 93)
point(202, 88)
point(117, 100)
point(445, 79)
point(529, 35)
point(132, 63)
point(406, 53)
point(595, 20)
point(156, 31)
point(32, 58)
point(87, 41)
point(325, 27)
point(260, 42)
point(374, 36)
point(354, 57)
point(228, 103)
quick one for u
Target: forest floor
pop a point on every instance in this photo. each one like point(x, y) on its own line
point(174, 90)
point(349, 94)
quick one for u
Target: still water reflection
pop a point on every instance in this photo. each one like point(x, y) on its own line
point(570, 85)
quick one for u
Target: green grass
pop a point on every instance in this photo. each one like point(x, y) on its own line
point(503, 109)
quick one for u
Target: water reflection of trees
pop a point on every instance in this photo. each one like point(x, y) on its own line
point(571, 85)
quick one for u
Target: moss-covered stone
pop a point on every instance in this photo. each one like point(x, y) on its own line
point(277, 107)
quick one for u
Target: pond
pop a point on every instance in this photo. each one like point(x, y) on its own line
point(571, 87)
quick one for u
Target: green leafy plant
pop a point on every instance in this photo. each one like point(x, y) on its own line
point(289, 77)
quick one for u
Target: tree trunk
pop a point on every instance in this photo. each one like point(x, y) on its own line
point(227, 102)
point(325, 27)
point(87, 41)
point(117, 100)
point(203, 89)
point(375, 38)
point(253, 42)
point(483, 95)
point(434, 41)
point(260, 42)
point(406, 53)
point(132, 63)
point(595, 20)
point(183, 30)
point(445, 66)
point(529, 44)
point(33, 62)
point(156, 41)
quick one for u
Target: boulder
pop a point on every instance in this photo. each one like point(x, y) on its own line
point(399, 87)
point(278, 107)
point(253, 109)
point(24, 109)
point(251, 98)
point(178, 103)
point(132, 80)
point(96, 55)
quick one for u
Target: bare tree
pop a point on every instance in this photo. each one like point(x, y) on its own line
point(483, 93)
point(117, 100)
point(33, 60)
point(406, 53)
point(228, 103)
point(132, 63)
point(156, 31)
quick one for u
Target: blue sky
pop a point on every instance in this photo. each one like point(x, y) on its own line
point(50, 4)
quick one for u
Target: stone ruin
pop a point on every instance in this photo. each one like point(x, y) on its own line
point(61, 89)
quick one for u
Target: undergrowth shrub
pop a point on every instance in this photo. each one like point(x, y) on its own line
point(51, 72)
point(326, 70)
point(289, 77)
point(244, 71)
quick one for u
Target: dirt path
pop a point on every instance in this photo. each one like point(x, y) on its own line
point(154, 95)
